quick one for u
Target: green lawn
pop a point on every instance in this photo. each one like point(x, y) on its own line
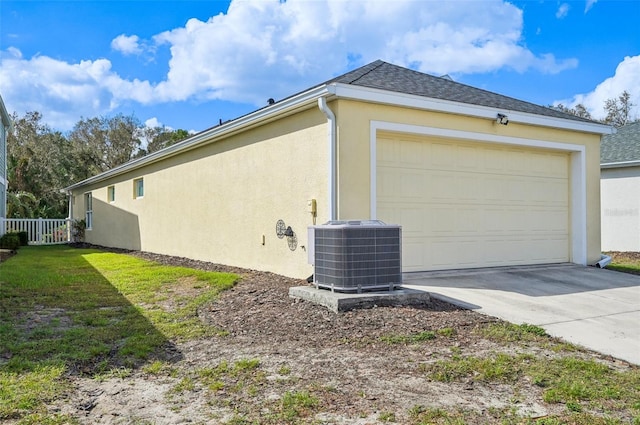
point(79, 311)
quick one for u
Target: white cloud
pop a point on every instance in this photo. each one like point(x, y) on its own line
point(562, 11)
point(589, 5)
point(64, 91)
point(268, 48)
point(626, 77)
point(127, 45)
point(262, 49)
point(153, 123)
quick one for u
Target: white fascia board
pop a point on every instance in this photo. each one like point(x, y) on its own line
point(620, 164)
point(347, 91)
point(211, 135)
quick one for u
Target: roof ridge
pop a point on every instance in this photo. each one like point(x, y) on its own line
point(374, 65)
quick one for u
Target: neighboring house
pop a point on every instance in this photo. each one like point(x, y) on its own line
point(620, 189)
point(5, 127)
point(476, 179)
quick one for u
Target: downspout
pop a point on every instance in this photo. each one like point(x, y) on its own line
point(70, 215)
point(70, 218)
point(604, 261)
point(331, 120)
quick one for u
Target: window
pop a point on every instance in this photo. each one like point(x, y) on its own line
point(138, 188)
point(111, 194)
point(88, 210)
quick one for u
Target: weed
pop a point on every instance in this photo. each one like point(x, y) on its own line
point(159, 368)
point(447, 332)
point(509, 332)
point(118, 372)
point(284, 370)
point(297, 404)
point(421, 415)
point(185, 384)
point(39, 419)
point(387, 417)
point(245, 365)
point(501, 367)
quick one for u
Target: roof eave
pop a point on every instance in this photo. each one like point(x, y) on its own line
point(210, 135)
point(349, 91)
point(4, 116)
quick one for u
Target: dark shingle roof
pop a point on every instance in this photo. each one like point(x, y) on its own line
point(385, 76)
point(622, 146)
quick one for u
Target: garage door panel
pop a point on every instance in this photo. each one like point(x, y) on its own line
point(474, 205)
point(468, 159)
point(414, 254)
point(443, 156)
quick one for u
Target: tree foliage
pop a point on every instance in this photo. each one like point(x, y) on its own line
point(579, 110)
point(161, 137)
point(42, 161)
point(38, 163)
point(102, 143)
point(618, 110)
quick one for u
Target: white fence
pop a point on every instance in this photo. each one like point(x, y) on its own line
point(41, 231)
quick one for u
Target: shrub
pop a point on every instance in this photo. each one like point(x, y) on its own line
point(24, 238)
point(10, 241)
point(77, 230)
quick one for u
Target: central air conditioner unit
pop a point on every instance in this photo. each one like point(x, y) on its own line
point(356, 255)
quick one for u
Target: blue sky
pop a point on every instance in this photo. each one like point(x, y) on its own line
point(187, 64)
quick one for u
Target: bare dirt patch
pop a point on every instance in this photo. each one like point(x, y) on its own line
point(5, 254)
point(358, 367)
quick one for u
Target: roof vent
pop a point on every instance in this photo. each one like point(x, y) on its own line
point(446, 77)
point(271, 101)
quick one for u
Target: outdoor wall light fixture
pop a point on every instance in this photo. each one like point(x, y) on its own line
point(502, 119)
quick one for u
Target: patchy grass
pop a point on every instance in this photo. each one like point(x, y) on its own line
point(81, 311)
point(508, 332)
point(576, 383)
point(627, 262)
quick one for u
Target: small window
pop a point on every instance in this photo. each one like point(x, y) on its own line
point(88, 210)
point(138, 188)
point(111, 194)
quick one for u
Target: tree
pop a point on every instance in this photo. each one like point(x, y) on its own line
point(103, 143)
point(21, 205)
point(579, 110)
point(161, 137)
point(619, 110)
point(37, 163)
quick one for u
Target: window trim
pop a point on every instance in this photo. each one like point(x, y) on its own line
point(88, 210)
point(136, 194)
point(111, 194)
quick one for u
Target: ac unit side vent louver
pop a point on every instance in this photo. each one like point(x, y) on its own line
point(356, 256)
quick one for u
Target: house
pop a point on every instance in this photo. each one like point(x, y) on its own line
point(5, 128)
point(476, 179)
point(620, 189)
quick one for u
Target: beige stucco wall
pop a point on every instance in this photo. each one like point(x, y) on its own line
point(621, 209)
point(353, 121)
point(215, 203)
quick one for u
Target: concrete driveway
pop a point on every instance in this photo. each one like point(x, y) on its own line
point(598, 309)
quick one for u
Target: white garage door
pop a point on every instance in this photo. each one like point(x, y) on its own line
point(463, 204)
